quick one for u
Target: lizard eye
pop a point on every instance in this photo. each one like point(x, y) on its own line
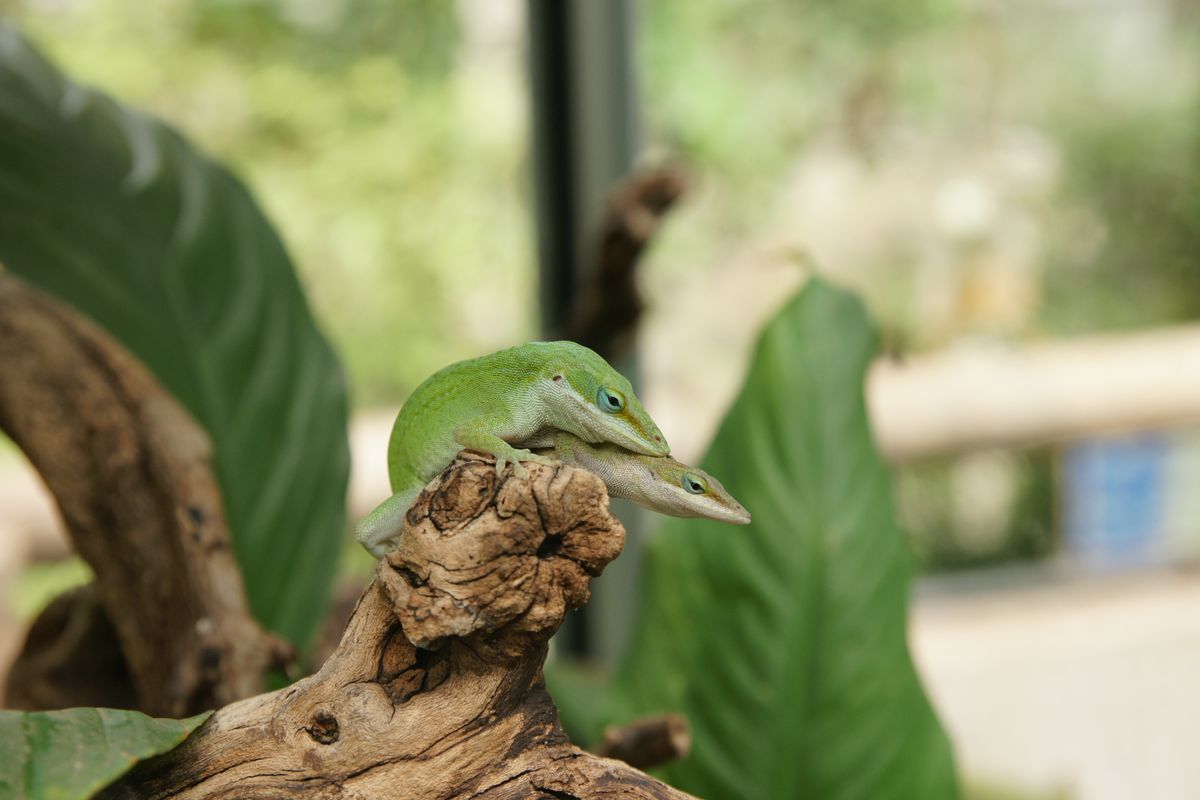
point(693, 484)
point(609, 400)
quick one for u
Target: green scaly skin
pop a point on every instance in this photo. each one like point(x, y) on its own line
point(659, 483)
point(495, 401)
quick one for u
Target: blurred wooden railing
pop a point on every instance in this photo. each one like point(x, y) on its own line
point(974, 396)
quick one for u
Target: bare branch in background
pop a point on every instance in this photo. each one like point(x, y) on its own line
point(132, 475)
point(608, 306)
point(649, 742)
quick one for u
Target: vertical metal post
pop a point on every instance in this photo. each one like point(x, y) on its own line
point(584, 139)
point(552, 155)
point(583, 134)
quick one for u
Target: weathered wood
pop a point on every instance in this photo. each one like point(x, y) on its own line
point(608, 306)
point(71, 657)
point(132, 475)
point(436, 689)
point(648, 742)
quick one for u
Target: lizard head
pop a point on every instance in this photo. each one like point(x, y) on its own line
point(661, 484)
point(597, 403)
point(692, 492)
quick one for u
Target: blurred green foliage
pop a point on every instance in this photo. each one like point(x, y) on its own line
point(118, 215)
point(942, 520)
point(991, 791)
point(1127, 253)
point(739, 89)
point(395, 171)
point(37, 584)
point(743, 88)
point(418, 35)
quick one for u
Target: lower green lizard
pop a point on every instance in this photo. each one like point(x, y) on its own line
point(660, 483)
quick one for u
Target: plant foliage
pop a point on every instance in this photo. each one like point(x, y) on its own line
point(784, 643)
point(64, 755)
point(118, 215)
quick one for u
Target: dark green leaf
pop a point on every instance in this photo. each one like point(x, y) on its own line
point(579, 693)
point(116, 214)
point(784, 643)
point(64, 755)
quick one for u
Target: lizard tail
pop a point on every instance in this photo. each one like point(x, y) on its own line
point(379, 532)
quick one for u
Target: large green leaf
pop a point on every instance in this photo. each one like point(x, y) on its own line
point(64, 755)
point(118, 215)
point(785, 643)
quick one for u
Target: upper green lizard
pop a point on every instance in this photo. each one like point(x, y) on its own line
point(492, 402)
point(660, 483)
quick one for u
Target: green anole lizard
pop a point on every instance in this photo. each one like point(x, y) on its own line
point(492, 402)
point(659, 483)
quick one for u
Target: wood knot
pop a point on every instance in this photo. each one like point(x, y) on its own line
point(210, 658)
point(483, 553)
point(324, 728)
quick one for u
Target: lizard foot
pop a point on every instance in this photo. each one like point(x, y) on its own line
point(516, 457)
point(381, 549)
point(529, 455)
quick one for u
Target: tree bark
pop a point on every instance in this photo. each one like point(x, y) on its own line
point(436, 689)
point(132, 475)
point(648, 742)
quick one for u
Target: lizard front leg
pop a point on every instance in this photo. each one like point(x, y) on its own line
point(475, 436)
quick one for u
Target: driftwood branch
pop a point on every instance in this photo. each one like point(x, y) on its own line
point(71, 658)
point(606, 310)
point(648, 742)
point(435, 690)
point(131, 473)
